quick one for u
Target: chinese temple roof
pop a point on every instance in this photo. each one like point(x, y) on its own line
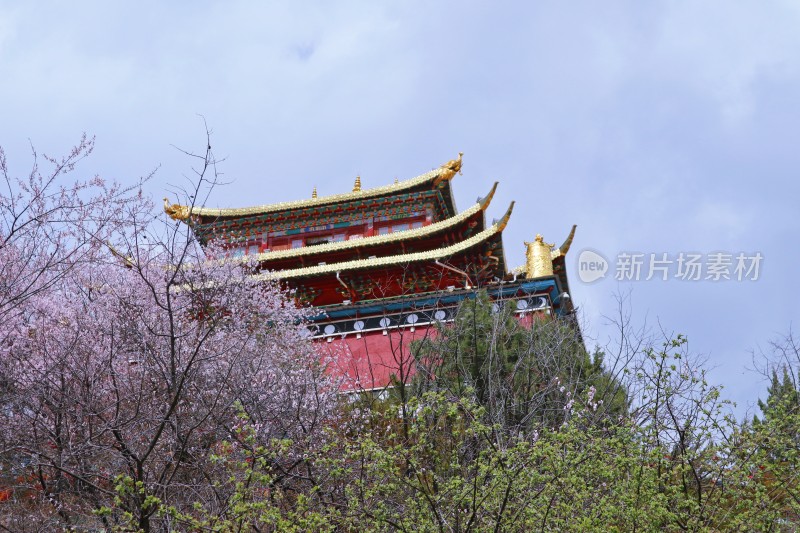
point(401, 240)
point(400, 259)
point(377, 240)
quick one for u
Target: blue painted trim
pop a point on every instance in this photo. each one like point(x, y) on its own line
point(548, 285)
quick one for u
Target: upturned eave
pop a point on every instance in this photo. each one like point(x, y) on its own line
point(378, 240)
point(392, 260)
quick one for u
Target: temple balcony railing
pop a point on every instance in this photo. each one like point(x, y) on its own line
point(421, 317)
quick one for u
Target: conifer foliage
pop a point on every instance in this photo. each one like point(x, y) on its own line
point(526, 373)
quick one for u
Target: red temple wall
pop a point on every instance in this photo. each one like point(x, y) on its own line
point(369, 361)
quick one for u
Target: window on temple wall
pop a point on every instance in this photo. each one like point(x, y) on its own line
point(252, 250)
point(400, 226)
point(279, 244)
point(339, 237)
point(322, 239)
point(297, 243)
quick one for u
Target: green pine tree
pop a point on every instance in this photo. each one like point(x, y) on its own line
point(780, 414)
point(524, 375)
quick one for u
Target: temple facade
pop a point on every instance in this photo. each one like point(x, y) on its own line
point(383, 266)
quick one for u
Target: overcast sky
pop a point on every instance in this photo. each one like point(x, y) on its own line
point(657, 127)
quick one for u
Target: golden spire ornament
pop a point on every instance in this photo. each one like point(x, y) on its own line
point(450, 169)
point(357, 184)
point(539, 259)
point(540, 255)
point(314, 193)
point(176, 211)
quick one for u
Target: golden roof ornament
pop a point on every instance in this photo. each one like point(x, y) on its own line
point(454, 164)
point(357, 184)
point(540, 255)
point(451, 168)
point(176, 211)
point(314, 193)
point(539, 261)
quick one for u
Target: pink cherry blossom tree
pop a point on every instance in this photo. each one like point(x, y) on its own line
point(50, 223)
point(129, 363)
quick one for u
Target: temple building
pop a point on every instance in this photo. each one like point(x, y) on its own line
point(383, 266)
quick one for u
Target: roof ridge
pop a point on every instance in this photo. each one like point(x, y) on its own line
point(445, 172)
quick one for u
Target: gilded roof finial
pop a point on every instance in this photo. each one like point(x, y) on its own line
point(455, 164)
point(357, 185)
point(539, 261)
point(540, 255)
point(176, 211)
point(314, 193)
point(451, 168)
point(396, 181)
